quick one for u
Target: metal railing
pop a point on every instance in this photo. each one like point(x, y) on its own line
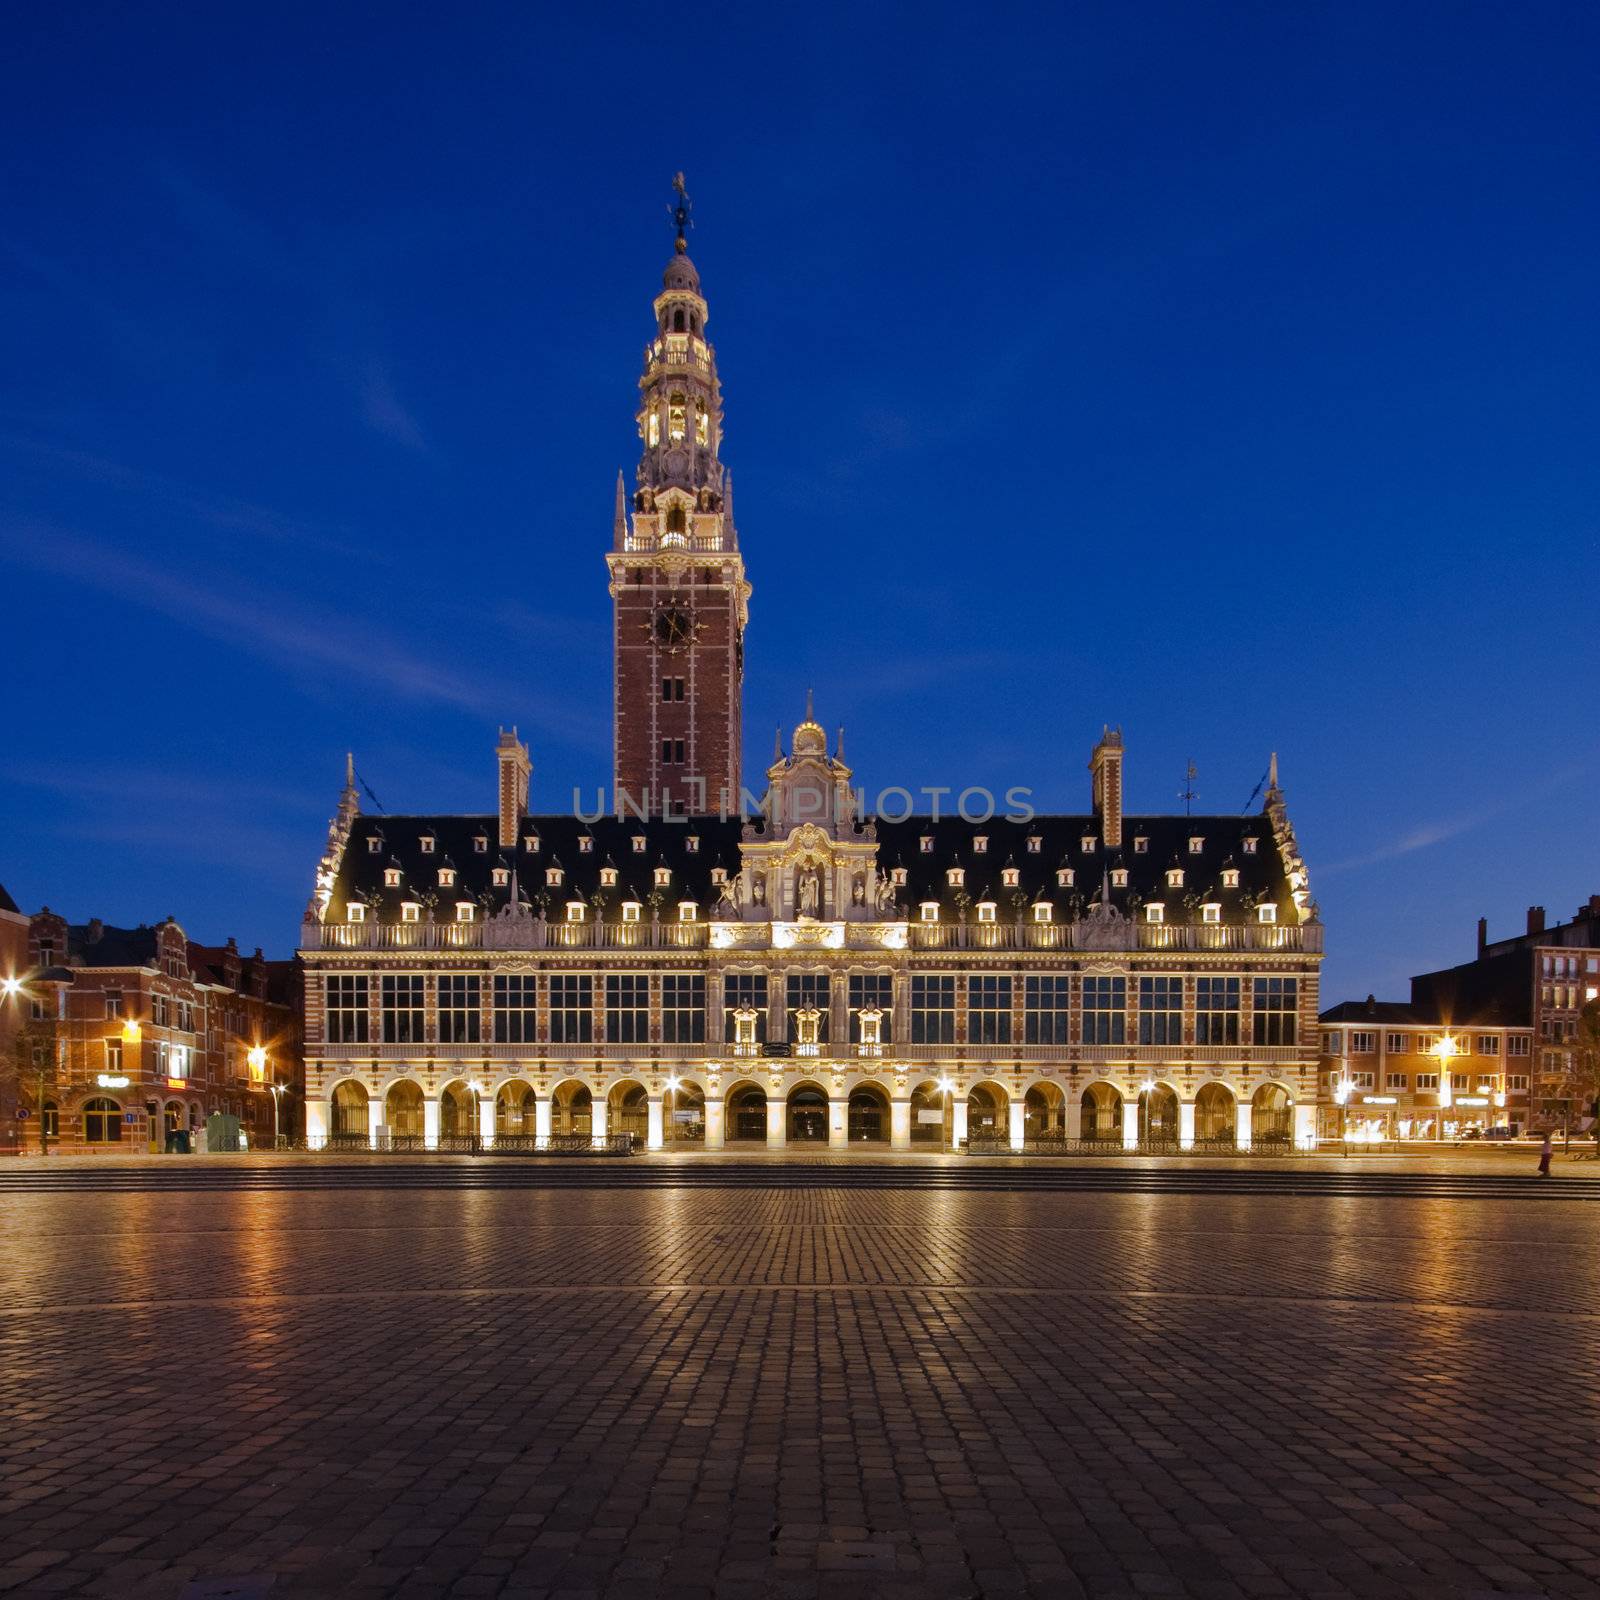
point(1047, 1145)
point(467, 1144)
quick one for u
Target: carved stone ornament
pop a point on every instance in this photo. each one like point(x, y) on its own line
point(1104, 928)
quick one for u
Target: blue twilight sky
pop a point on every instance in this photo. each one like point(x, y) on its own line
point(1223, 371)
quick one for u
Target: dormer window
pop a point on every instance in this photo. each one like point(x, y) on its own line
point(355, 911)
point(1010, 877)
point(719, 876)
point(1211, 912)
point(577, 911)
point(630, 910)
point(663, 877)
point(638, 844)
point(553, 876)
point(930, 910)
point(986, 911)
point(426, 843)
point(1119, 877)
point(447, 877)
point(956, 876)
point(1035, 844)
point(1230, 877)
point(980, 844)
point(608, 877)
point(692, 844)
point(898, 877)
point(585, 844)
point(1088, 844)
point(1196, 844)
point(1174, 877)
point(687, 911)
point(1267, 912)
point(410, 911)
point(391, 877)
point(465, 911)
point(925, 844)
point(1154, 911)
point(1141, 846)
point(1250, 847)
point(374, 845)
point(501, 876)
point(1065, 877)
point(530, 843)
point(1043, 911)
point(480, 843)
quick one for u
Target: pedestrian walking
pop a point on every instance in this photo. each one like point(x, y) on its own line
point(1545, 1152)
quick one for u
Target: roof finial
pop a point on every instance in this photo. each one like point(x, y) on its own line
point(349, 769)
point(777, 744)
point(619, 525)
point(1272, 771)
point(680, 213)
point(838, 754)
point(810, 713)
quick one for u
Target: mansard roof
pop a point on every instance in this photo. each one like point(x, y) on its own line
point(1373, 1013)
point(1263, 876)
point(6, 902)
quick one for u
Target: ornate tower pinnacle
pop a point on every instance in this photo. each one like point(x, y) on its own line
point(677, 579)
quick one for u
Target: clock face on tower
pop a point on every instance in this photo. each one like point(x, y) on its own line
point(674, 628)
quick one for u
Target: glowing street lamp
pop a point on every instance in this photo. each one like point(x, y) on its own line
point(1341, 1098)
point(1443, 1053)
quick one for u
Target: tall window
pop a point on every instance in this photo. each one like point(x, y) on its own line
point(871, 991)
point(345, 997)
point(460, 996)
point(113, 1055)
point(989, 1008)
point(1276, 1002)
point(102, 1121)
point(1161, 1011)
point(741, 990)
point(113, 1003)
point(1045, 1006)
point(515, 1000)
point(809, 989)
point(627, 1008)
point(571, 1008)
point(683, 1008)
point(1105, 1005)
point(1216, 1011)
point(401, 1001)
point(933, 1010)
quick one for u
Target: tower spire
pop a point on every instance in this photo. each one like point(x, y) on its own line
point(619, 523)
point(680, 213)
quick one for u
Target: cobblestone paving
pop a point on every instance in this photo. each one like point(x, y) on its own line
point(821, 1393)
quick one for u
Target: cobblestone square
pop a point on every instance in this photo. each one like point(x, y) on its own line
point(832, 1392)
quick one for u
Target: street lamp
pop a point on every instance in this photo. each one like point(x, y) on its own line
point(1341, 1098)
point(1444, 1052)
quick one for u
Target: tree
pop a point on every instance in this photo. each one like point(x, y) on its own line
point(35, 1068)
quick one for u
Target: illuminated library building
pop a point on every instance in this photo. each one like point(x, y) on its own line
point(806, 975)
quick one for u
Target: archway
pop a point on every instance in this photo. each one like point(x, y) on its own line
point(683, 1113)
point(1102, 1113)
point(102, 1121)
point(1044, 1112)
point(628, 1111)
point(746, 1115)
point(515, 1111)
point(458, 1113)
point(349, 1119)
point(808, 1115)
point(1158, 1115)
point(402, 1112)
point(988, 1112)
point(1214, 1121)
point(930, 1116)
point(572, 1110)
point(1271, 1115)
point(867, 1120)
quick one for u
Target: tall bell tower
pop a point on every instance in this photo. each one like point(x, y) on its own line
point(680, 599)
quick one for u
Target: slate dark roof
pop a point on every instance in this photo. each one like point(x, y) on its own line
point(1403, 1014)
point(6, 902)
point(97, 944)
point(378, 843)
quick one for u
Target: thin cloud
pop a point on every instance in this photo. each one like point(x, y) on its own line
point(384, 414)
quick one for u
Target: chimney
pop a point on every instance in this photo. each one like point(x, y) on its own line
point(514, 771)
point(1483, 936)
point(1105, 767)
point(1535, 919)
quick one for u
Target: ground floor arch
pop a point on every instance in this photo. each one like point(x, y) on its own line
point(807, 1114)
point(404, 1112)
point(746, 1114)
point(1101, 1109)
point(348, 1111)
point(930, 1116)
point(572, 1110)
point(1271, 1115)
point(628, 1111)
point(1214, 1118)
point(458, 1111)
point(988, 1112)
point(683, 1113)
point(1044, 1112)
point(516, 1110)
point(1158, 1115)
point(867, 1117)
point(102, 1120)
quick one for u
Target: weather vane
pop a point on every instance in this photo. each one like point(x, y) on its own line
point(680, 212)
point(1187, 793)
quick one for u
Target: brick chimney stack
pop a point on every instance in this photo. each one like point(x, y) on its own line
point(1105, 768)
point(1483, 935)
point(1535, 919)
point(514, 772)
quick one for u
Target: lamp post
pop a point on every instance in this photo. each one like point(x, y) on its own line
point(1341, 1098)
point(1444, 1052)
